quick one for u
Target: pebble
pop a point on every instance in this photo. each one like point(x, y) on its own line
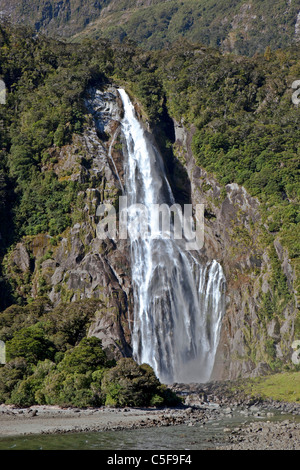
point(218, 407)
point(284, 435)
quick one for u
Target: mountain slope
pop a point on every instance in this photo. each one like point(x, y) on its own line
point(230, 136)
point(53, 17)
point(240, 26)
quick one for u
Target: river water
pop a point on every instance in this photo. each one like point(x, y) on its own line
point(182, 437)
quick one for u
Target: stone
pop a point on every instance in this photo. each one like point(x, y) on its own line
point(21, 257)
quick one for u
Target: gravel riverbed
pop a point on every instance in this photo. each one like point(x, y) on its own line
point(253, 424)
point(258, 427)
point(261, 435)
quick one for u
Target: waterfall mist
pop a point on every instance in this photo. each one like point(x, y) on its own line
point(178, 301)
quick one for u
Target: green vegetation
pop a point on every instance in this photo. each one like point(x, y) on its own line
point(130, 384)
point(31, 344)
point(46, 82)
point(245, 131)
point(53, 362)
point(236, 26)
point(82, 378)
point(233, 25)
point(280, 387)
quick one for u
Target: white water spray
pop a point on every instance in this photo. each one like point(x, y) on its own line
point(178, 302)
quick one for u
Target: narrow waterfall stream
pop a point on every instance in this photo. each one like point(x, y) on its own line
point(178, 302)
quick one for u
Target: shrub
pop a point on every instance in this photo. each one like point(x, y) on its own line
point(130, 384)
point(76, 380)
point(30, 343)
point(67, 389)
point(88, 355)
point(10, 375)
point(24, 393)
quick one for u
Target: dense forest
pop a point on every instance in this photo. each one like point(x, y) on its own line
point(246, 131)
point(240, 26)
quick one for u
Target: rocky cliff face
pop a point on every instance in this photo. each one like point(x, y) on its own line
point(78, 265)
point(63, 17)
point(257, 331)
point(257, 334)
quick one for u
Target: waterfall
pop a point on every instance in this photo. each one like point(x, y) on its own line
point(178, 301)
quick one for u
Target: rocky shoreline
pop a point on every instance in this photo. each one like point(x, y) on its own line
point(224, 394)
point(246, 422)
point(284, 435)
point(264, 427)
point(271, 434)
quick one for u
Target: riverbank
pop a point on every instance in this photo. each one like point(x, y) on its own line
point(52, 420)
point(261, 435)
point(246, 421)
point(260, 427)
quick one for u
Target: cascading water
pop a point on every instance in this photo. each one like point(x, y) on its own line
point(178, 302)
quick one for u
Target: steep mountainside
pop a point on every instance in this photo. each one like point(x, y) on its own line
point(229, 135)
point(239, 26)
point(64, 18)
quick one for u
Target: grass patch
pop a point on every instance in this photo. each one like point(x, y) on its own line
point(280, 387)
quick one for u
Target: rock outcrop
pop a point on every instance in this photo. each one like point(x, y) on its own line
point(78, 265)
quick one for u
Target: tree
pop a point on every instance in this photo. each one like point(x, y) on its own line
point(88, 355)
point(130, 384)
point(30, 343)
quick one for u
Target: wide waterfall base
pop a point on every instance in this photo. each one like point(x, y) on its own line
point(179, 302)
point(178, 331)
